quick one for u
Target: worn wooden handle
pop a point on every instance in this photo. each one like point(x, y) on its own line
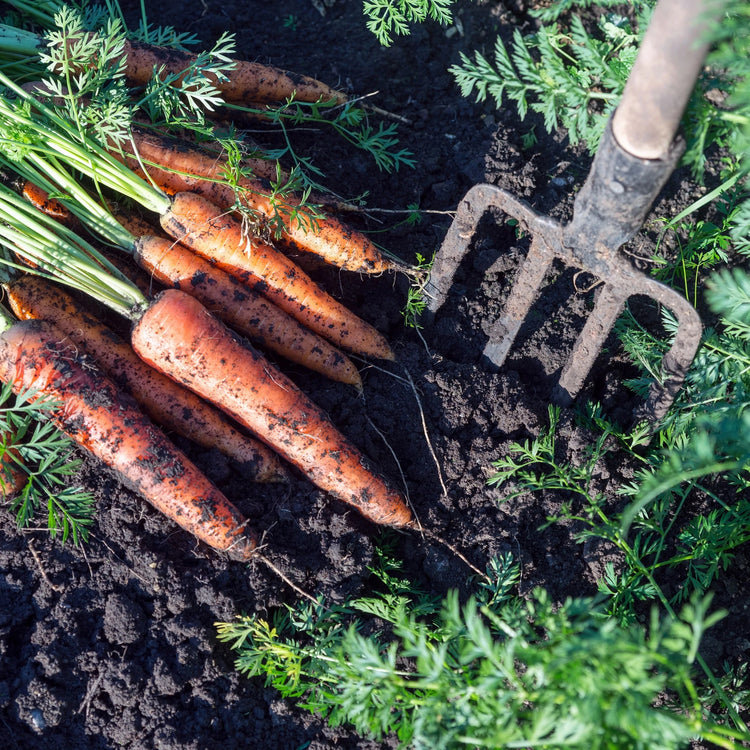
point(662, 79)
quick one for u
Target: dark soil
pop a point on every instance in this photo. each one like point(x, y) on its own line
point(113, 645)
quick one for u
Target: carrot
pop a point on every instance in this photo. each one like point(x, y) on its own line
point(247, 82)
point(248, 312)
point(43, 202)
point(101, 419)
point(180, 337)
point(168, 404)
point(267, 325)
point(204, 228)
point(177, 166)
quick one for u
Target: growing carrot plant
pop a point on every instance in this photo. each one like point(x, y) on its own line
point(389, 18)
point(499, 670)
point(572, 76)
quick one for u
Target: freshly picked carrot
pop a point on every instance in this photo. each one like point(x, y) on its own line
point(218, 236)
point(172, 335)
point(178, 166)
point(244, 82)
point(97, 416)
point(245, 310)
point(168, 404)
point(178, 336)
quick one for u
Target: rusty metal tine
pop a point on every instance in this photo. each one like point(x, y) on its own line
point(529, 279)
point(677, 360)
point(447, 259)
point(609, 304)
point(477, 201)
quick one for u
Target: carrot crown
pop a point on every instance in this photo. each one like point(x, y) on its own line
point(35, 242)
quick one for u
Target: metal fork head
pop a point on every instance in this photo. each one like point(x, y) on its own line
point(608, 211)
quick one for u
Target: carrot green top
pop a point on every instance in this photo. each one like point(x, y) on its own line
point(52, 250)
point(30, 131)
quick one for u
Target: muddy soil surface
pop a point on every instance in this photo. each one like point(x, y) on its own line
point(113, 645)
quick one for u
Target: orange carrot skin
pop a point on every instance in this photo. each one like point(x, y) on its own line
point(267, 325)
point(204, 228)
point(180, 337)
point(177, 166)
point(52, 207)
point(101, 419)
point(248, 81)
point(168, 404)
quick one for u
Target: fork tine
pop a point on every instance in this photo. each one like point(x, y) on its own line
point(625, 283)
point(477, 201)
point(609, 304)
point(528, 281)
point(676, 362)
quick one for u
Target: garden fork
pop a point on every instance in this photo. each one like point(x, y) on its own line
point(636, 156)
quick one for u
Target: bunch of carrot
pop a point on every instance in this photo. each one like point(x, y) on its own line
point(181, 356)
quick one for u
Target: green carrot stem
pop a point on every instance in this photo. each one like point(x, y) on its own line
point(48, 134)
point(57, 252)
point(19, 42)
point(42, 11)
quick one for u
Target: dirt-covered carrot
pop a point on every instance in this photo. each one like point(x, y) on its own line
point(97, 415)
point(266, 324)
point(180, 337)
point(42, 200)
point(168, 404)
point(178, 166)
point(203, 227)
point(246, 81)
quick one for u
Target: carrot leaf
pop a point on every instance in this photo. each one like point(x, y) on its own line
point(389, 18)
point(88, 76)
point(182, 99)
point(45, 455)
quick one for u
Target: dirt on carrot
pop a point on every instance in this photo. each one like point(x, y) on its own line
point(48, 205)
point(267, 326)
point(207, 230)
point(169, 405)
point(247, 81)
point(101, 419)
point(180, 337)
